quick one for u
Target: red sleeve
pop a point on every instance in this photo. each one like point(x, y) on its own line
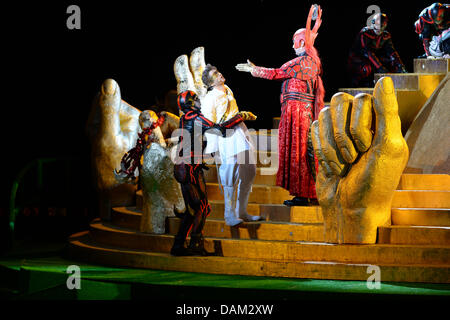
point(274, 74)
point(303, 68)
point(269, 73)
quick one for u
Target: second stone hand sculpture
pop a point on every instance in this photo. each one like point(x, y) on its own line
point(358, 174)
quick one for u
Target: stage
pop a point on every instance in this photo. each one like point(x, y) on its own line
point(63, 249)
point(38, 271)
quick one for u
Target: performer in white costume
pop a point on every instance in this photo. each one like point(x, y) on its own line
point(236, 156)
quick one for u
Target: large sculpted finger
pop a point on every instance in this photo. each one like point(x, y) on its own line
point(340, 114)
point(330, 151)
point(361, 121)
point(123, 119)
point(197, 65)
point(185, 81)
point(110, 97)
point(108, 100)
point(315, 137)
point(388, 131)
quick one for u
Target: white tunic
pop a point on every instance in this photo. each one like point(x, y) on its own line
point(219, 106)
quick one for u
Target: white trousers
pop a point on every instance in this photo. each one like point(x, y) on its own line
point(237, 174)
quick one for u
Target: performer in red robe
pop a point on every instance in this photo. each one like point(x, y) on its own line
point(302, 94)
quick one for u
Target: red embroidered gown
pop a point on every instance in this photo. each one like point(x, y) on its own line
point(297, 113)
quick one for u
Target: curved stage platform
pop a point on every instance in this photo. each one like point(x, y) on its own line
point(416, 248)
point(289, 242)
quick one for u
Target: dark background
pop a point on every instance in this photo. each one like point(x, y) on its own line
point(53, 73)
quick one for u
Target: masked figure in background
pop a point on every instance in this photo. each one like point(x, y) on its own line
point(237, 168)
point(188, 170)
point(373, 52)
point(302, 94)
point(433, 29)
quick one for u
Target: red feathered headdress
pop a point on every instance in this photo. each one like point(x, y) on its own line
point(309, 35)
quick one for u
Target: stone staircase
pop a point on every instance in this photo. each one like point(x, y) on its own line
point(289, 241)
point(412, 89)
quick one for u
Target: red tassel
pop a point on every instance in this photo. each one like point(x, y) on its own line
point(132, 159)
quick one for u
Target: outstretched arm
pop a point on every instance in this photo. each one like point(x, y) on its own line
point(261, 72)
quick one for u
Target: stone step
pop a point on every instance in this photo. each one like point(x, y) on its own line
point(410, 101)
point(421, 199)
point(278, 250)
point(410, 181)
point(431, 65)
point(259, 230)
point(265, 194)
point(260, 193)
point(421, 217)
point(83, 248)
point(401, 199)
point(288, 231)
point(274, 212)
point(126, 217)
point(411, 81)
point(313, 214)
point(264, 159)
point(420, 235)
point(264, 175)
point(130, 217)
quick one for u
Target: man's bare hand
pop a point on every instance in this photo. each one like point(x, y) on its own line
point(245, 67)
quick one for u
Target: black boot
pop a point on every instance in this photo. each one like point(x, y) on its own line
point(296, 201)
point(196, 245)
point(178, 248)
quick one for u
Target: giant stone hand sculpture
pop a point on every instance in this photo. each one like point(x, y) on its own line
point(358, 173)
point(112, 128)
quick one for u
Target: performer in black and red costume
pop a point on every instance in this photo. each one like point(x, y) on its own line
point(434, 22)
point(188, 170)
point(373, 52)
